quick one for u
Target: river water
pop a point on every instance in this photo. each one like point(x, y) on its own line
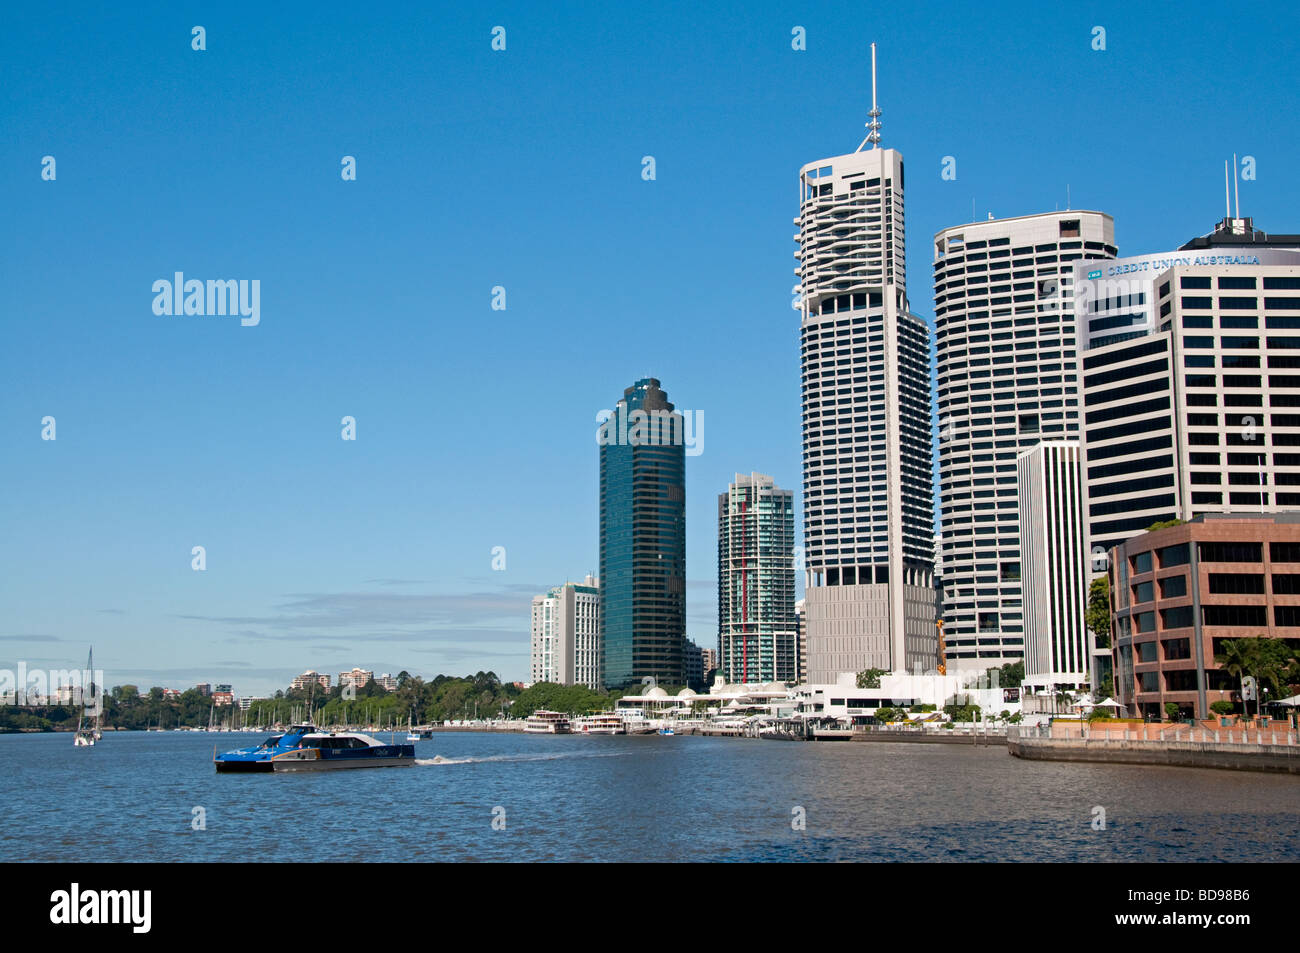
point(508, 797)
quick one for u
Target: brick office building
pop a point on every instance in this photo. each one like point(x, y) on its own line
point(1178, 593)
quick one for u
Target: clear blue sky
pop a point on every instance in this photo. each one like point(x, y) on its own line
point(478, 168)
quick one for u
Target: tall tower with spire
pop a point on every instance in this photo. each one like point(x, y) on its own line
point(868, 489)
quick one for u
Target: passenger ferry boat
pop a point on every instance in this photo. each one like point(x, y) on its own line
point(599, 725)
point(307, 748)
point(548, 723)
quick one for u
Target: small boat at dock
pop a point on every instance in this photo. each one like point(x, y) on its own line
point(548, 723)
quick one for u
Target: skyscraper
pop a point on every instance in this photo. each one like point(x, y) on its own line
point(643, 538)
point(1006, 355)
point(1189, 382)
point(757, 633)
point(868, 492)
point(566, 635)
point(1058, 646)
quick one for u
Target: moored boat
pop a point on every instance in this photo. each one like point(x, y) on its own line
point(548, 723)
point(599, 725)
point(307, 748)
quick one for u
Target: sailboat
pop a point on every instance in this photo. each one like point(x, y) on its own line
point(410, 727)
point(86, 735)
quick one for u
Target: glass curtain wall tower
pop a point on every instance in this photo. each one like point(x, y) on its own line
point(642, 539)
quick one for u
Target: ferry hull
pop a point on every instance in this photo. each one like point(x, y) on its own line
point(339, 764)
point(243, 767)
point(321, 752)
point(312, 764)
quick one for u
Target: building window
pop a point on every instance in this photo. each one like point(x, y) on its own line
point(1173, 587)
point(1234, 615)
point(1286, 584)
point(1215, 552)
point(1235, 583)
point(1284, 552)
point(1286, 617)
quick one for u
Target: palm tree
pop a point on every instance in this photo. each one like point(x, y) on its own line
point(1235, 658)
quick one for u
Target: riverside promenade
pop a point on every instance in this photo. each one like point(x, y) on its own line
point(1243, 747)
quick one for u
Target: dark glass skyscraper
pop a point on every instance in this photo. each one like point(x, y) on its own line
point(643, 538)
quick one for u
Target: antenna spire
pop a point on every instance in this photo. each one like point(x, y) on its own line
point(1236, 198)
point(874, 123)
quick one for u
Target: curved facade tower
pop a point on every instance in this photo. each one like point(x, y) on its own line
point(1007, 361)
point(643, 539)
point(868, 489)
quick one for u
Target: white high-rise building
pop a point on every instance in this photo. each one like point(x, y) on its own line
point(565, 642)
point(1006, 356)
point(868, 490)
point(1058, 650)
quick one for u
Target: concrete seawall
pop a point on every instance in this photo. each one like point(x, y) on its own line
point(931, 738)
point(1278, 759)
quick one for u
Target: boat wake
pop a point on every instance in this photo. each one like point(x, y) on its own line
point(439, 759)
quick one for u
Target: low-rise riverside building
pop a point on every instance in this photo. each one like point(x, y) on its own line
point(841, 702)
point(1179, 593)
point(774, 700)
point(846, 703)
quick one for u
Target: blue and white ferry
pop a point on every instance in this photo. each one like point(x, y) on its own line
point(306, 748)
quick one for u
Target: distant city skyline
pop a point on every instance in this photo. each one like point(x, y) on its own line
point(476, 170)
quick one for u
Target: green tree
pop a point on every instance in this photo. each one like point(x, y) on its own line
point(871, 677)
point(1010, 675)
point(962, 712)
point(1098, 612)
point(1272, 662)
point(570, 699)
point(1164, 524)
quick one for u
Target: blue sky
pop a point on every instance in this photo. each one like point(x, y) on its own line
point(476, 168)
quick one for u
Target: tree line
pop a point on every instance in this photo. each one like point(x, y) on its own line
point(416, 700)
